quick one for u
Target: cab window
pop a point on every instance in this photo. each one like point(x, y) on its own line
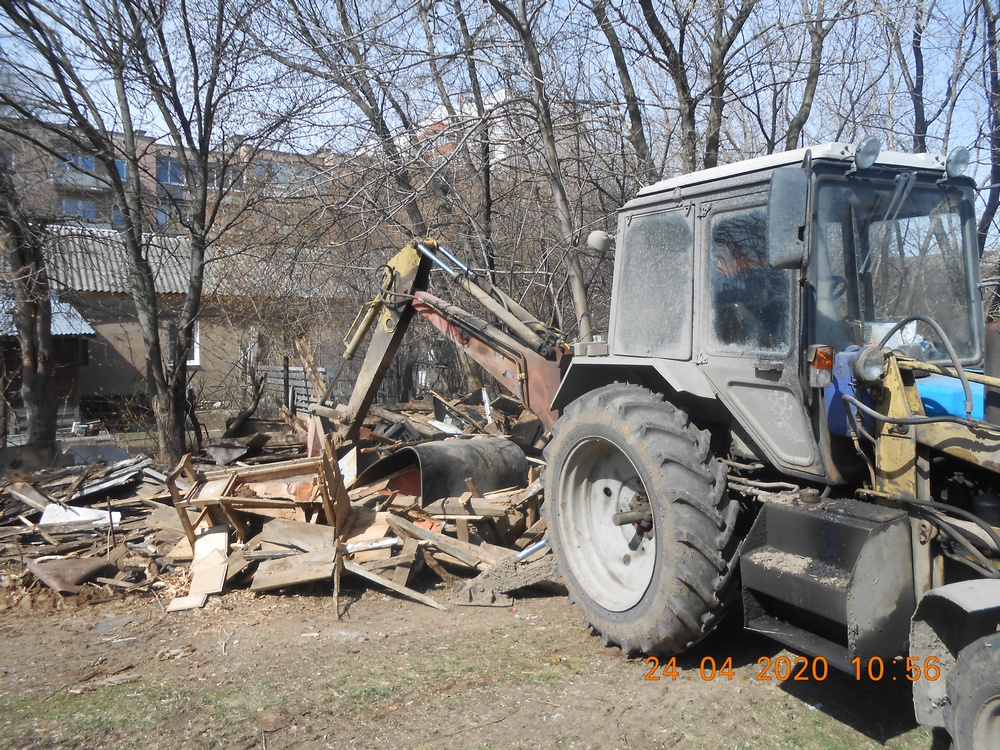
point(750, 300)
point(653, 287)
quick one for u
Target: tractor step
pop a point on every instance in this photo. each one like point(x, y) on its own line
point(830, 579)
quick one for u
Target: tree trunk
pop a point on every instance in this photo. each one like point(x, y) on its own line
point(817, 37)
point(33, 318)
point(677, 69)
point(637, 130)
point(170, 413)
point(24, 247)
point(520, 25)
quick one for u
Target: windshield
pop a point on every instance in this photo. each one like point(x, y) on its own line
point(887, 250)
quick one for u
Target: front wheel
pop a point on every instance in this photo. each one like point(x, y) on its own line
point(972, 716)
point(639, 519)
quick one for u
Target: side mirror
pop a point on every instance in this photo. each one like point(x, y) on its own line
point(786, 217)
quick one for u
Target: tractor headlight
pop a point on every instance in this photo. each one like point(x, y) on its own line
point(866, 152)
point(958, 162)
point(868, 365)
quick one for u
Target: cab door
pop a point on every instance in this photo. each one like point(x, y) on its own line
point(748, 334)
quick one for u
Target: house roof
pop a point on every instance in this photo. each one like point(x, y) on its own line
point(93, 260)
point(66, 319)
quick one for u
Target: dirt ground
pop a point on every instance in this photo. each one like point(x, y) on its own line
point(279, 671)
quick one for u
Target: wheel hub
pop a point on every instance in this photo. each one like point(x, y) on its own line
point(609, 523)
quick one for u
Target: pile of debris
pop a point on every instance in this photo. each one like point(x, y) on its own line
point(450, 493)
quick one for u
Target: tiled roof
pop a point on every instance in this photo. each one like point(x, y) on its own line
point(66, 319)
point(94, 260)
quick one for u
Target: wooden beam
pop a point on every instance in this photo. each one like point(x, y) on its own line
point(391, 585)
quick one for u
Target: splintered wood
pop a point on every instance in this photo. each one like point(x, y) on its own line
point(279, 522)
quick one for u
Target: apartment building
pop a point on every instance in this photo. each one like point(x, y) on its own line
point(65, 183)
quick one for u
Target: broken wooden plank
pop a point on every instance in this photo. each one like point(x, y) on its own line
point(446, 544)
point(336, 501)
point(389, 562)
point(306, 536)
point(532, 534)
point(404, 569)
point(466, 506)
point(28, 495)
point(515, 496)
point(370, 555)
point(186, 602)
point(299, 467)
point(208, 568)
point(419, 424)
point(248, 502)
point(391, 585)
point(178, 501)
point(208, 573)
point(305, 567)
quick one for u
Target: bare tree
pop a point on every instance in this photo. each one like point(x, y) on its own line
point(717, 29)
point(99, 72)
point(520, 22)
point(955, 35)
point(23, 239)
point(637, 127)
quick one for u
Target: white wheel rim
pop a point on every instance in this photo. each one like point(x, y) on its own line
point(613, 564)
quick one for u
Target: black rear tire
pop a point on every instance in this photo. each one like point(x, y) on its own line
point(972, 715)
point(657, 590)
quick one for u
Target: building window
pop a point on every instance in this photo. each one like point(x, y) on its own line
point(77, 169)
point(120, 166)
point(169, 211)
point(76, 162)
point(227, 176)
point(194, 356)
point(169, 171)
point(117, 220)
point(80, 209)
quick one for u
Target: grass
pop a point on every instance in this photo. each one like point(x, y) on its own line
point(502, 658)
point(115, 713)
point(147, 714)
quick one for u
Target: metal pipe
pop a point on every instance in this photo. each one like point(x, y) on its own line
point(374, 307)
point(523, 323)
point(532, 549)
point(433, 258)
point(452, 257)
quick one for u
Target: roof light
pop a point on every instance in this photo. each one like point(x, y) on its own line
point(866, 152)
point(958, 162)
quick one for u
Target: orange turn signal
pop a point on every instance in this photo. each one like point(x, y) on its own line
point(820, 359)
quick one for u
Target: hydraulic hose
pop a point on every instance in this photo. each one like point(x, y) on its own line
point(948, 347)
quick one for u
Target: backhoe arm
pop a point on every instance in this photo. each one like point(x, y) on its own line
point(524, 359)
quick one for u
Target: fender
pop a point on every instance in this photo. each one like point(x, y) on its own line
point(946, 620)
